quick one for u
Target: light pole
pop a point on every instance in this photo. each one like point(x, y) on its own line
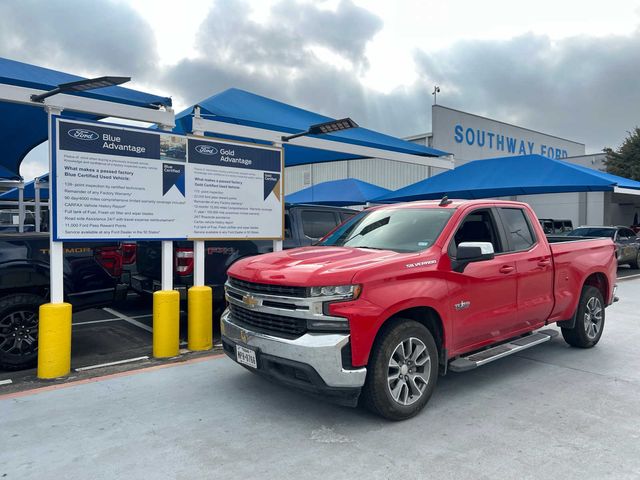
point(436, 91)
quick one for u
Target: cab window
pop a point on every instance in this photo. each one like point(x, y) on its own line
point(519, 233)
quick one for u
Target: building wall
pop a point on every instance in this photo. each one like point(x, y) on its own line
point(384, 173)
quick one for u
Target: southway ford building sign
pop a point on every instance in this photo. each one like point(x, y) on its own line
point(472, 137)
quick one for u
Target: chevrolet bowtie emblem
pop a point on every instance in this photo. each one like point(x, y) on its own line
point(250, 301)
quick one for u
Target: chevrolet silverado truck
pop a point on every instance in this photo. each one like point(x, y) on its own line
point(401, 294)
point(303, 225)
point(92, 278)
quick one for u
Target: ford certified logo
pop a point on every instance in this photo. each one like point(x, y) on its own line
point(206, 150)
point(83, 134)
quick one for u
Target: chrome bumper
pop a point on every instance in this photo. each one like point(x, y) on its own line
point(321, 351)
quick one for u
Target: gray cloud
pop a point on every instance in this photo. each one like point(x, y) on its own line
point(78, 36)
point(276, 59)
point(582, 88)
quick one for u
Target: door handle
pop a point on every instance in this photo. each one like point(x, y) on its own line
point(506, 269)
point(544, 263)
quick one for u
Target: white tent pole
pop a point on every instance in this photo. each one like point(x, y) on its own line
point(36, 191)
point(198, 245)
point(277, 244)
point(21, 207)
point(56, 249)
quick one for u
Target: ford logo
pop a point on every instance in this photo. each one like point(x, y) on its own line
point(83, 134)
point(206, 149)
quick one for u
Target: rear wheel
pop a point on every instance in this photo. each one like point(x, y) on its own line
point(589, 323)
point(19, 331)
point(636, 263)
point(403, 371)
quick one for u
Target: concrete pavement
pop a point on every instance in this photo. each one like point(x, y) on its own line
point(549, 412)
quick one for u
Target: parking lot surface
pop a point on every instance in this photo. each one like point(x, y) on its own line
point(549, 412)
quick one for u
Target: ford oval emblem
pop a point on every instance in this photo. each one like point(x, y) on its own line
point(83, 134)
point(206, 149)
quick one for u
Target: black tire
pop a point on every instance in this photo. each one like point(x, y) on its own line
point(589, 322)
point(377, 393)
point(635, 264)
point(19, 330)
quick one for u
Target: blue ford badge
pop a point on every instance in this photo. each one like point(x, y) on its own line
point(82, 134)
point(206, 149)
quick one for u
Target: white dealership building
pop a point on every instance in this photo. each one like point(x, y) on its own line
point(470, 137)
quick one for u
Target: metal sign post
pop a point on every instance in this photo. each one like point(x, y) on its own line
point(54, 329)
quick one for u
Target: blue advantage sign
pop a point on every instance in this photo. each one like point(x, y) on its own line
point(122, 183)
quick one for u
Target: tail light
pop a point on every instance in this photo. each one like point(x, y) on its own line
point(129, 251)
point(111, 259)
point(184, 261)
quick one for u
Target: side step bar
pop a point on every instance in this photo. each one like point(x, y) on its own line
point(462, 364)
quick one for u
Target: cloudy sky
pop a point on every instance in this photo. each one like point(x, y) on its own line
point(569, 68)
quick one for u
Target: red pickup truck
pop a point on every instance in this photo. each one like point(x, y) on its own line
point(399, 294)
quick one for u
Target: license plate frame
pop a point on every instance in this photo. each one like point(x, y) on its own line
point(247, 356)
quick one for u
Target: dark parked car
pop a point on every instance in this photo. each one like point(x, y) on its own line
point(627, 243)
point(303, 224)
point(551, 226)
point(92, 274)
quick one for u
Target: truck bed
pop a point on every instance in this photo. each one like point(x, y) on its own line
point(576, 258)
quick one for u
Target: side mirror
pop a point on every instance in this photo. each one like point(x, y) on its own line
point(469, 252)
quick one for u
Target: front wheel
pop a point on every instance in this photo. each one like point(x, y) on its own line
point(587, 329)
point(403, 371)
point(19, 330)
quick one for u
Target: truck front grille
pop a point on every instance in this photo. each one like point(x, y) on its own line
point(276, 325)
point(267, 289)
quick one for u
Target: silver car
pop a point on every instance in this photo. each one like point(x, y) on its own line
point(627, 243)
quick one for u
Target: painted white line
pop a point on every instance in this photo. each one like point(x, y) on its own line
point(628, 277)
point(143, 316)
point(98, 321)
point(109, 364)
point(8, 381)
point(128, 319)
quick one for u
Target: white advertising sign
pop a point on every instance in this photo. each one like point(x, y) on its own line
point(123, 183)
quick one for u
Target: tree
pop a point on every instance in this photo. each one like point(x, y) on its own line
point(625, 162)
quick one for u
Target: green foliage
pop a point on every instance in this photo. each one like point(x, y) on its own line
point(625, 162)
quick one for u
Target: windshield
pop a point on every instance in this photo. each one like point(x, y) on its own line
point(400, 230)
point(593, 232)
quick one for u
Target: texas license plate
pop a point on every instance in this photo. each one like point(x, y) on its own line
point(246, 356)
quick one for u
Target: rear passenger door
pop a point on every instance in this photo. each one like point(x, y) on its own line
point(628, 244)
point(534, 268)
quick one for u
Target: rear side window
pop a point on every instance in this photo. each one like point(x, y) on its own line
point(625, 233)
point(519, 234)
point(316, 223)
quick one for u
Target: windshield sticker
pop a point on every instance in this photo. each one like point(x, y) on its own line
point(421, 264)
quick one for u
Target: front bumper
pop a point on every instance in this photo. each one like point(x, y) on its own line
point(312, 362)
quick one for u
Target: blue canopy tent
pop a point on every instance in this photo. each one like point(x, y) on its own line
point(239, 107)
point(349, 191)
point(29, 192)
point(506, 176)
point(24, 126)
point(24, 122)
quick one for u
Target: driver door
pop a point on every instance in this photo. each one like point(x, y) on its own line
point(482, 299)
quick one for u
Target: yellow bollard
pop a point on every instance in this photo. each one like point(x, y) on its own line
point(200, 314)
point(54, 340)
point(166, 323)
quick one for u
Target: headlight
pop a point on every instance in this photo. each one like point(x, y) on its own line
point(342, 291)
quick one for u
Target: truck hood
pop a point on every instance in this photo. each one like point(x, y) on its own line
point(311, 266)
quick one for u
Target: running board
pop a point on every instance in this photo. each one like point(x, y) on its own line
point(462, 364)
